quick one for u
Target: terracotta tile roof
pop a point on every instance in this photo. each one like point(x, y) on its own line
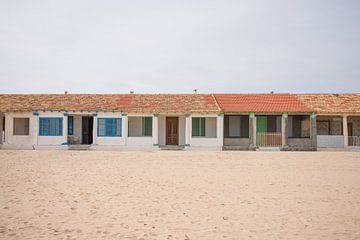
point(184, 103)
point(136, 103)
point(170, 103)
point(261, 103)
point(55, 102)
point(332, 103)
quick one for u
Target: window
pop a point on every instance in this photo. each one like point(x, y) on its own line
point(147, 126)
point(70, 125)
point(140, 126)
point(50, 126)
point(21, 126)
point(299, 126)
point(109, 127)
point(198, 126)
point(236, 126)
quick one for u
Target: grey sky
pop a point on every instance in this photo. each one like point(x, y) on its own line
point(176, 46)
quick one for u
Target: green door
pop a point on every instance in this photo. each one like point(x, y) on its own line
point(261, 128)
point(261, 124)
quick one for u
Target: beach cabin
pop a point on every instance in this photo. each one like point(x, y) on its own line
point(278, 121)
point(113, 121)
point(338, 118)
point(179, 121)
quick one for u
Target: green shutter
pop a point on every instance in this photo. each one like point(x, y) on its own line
point(202, 127)
point(195, 127)
point(147, 126)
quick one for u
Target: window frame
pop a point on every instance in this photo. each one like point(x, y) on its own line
point(28, 129)
point(192, 127)
point(70, 130)
point(143, 126)
point(242, 135)
point(306, 116)
point(113, 131)
point(47, 120)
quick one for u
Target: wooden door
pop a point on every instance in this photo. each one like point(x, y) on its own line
point(172, 131)
point(87, 128)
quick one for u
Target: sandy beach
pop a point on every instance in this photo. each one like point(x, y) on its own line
point(179, 195)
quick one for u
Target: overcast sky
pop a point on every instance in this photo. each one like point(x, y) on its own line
point(110, 46)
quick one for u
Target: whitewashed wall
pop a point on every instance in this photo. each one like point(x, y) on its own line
point(208, 141)
point(20, 141)
point(52, 140)
point(110, 141)
point(139, 141)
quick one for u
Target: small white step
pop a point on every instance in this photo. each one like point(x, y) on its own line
point(79, 147)
point(172, 147)
point(268, 149)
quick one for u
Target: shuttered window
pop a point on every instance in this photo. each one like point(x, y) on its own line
point(21, 126)
point(109, 127)
point(198, 126)
point(147, 126)
point(50, 126)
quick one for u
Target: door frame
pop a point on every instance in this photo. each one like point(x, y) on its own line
point(166, 130)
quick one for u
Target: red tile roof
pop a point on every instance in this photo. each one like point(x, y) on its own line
point(184, 103)
point(136, 103)
point(261, 103)
point(169, 103)
point(61, 102)
point(332, 103)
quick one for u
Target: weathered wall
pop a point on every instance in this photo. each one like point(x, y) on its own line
point(20, 141)
point(299, 142)
point(243, 142)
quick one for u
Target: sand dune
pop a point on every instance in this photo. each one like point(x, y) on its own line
point(179, 195)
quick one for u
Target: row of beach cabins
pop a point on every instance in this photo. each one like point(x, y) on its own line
point(180, 121)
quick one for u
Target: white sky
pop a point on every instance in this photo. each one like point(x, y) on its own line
point(110, 46)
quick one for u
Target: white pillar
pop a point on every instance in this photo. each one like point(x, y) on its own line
point(95, 119)
point(65, 129)
point(254, 130)
point(284, 129)
point(35, 119)
point(187, 130)
point(345, 131)
point(124, 129)
point(220, 129)
point(155, 130)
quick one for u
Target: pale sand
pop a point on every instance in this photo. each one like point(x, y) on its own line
point(179, 195)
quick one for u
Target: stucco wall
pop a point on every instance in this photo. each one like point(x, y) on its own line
point(52, 140)
point(336, 141)
point(135, 127)
point(243, 142)
point(212, 141)
point(20, 141)
point(110, 141)
point(299, 142)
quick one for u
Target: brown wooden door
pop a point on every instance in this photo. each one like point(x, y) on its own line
point(172, 130)
point(87, 128)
